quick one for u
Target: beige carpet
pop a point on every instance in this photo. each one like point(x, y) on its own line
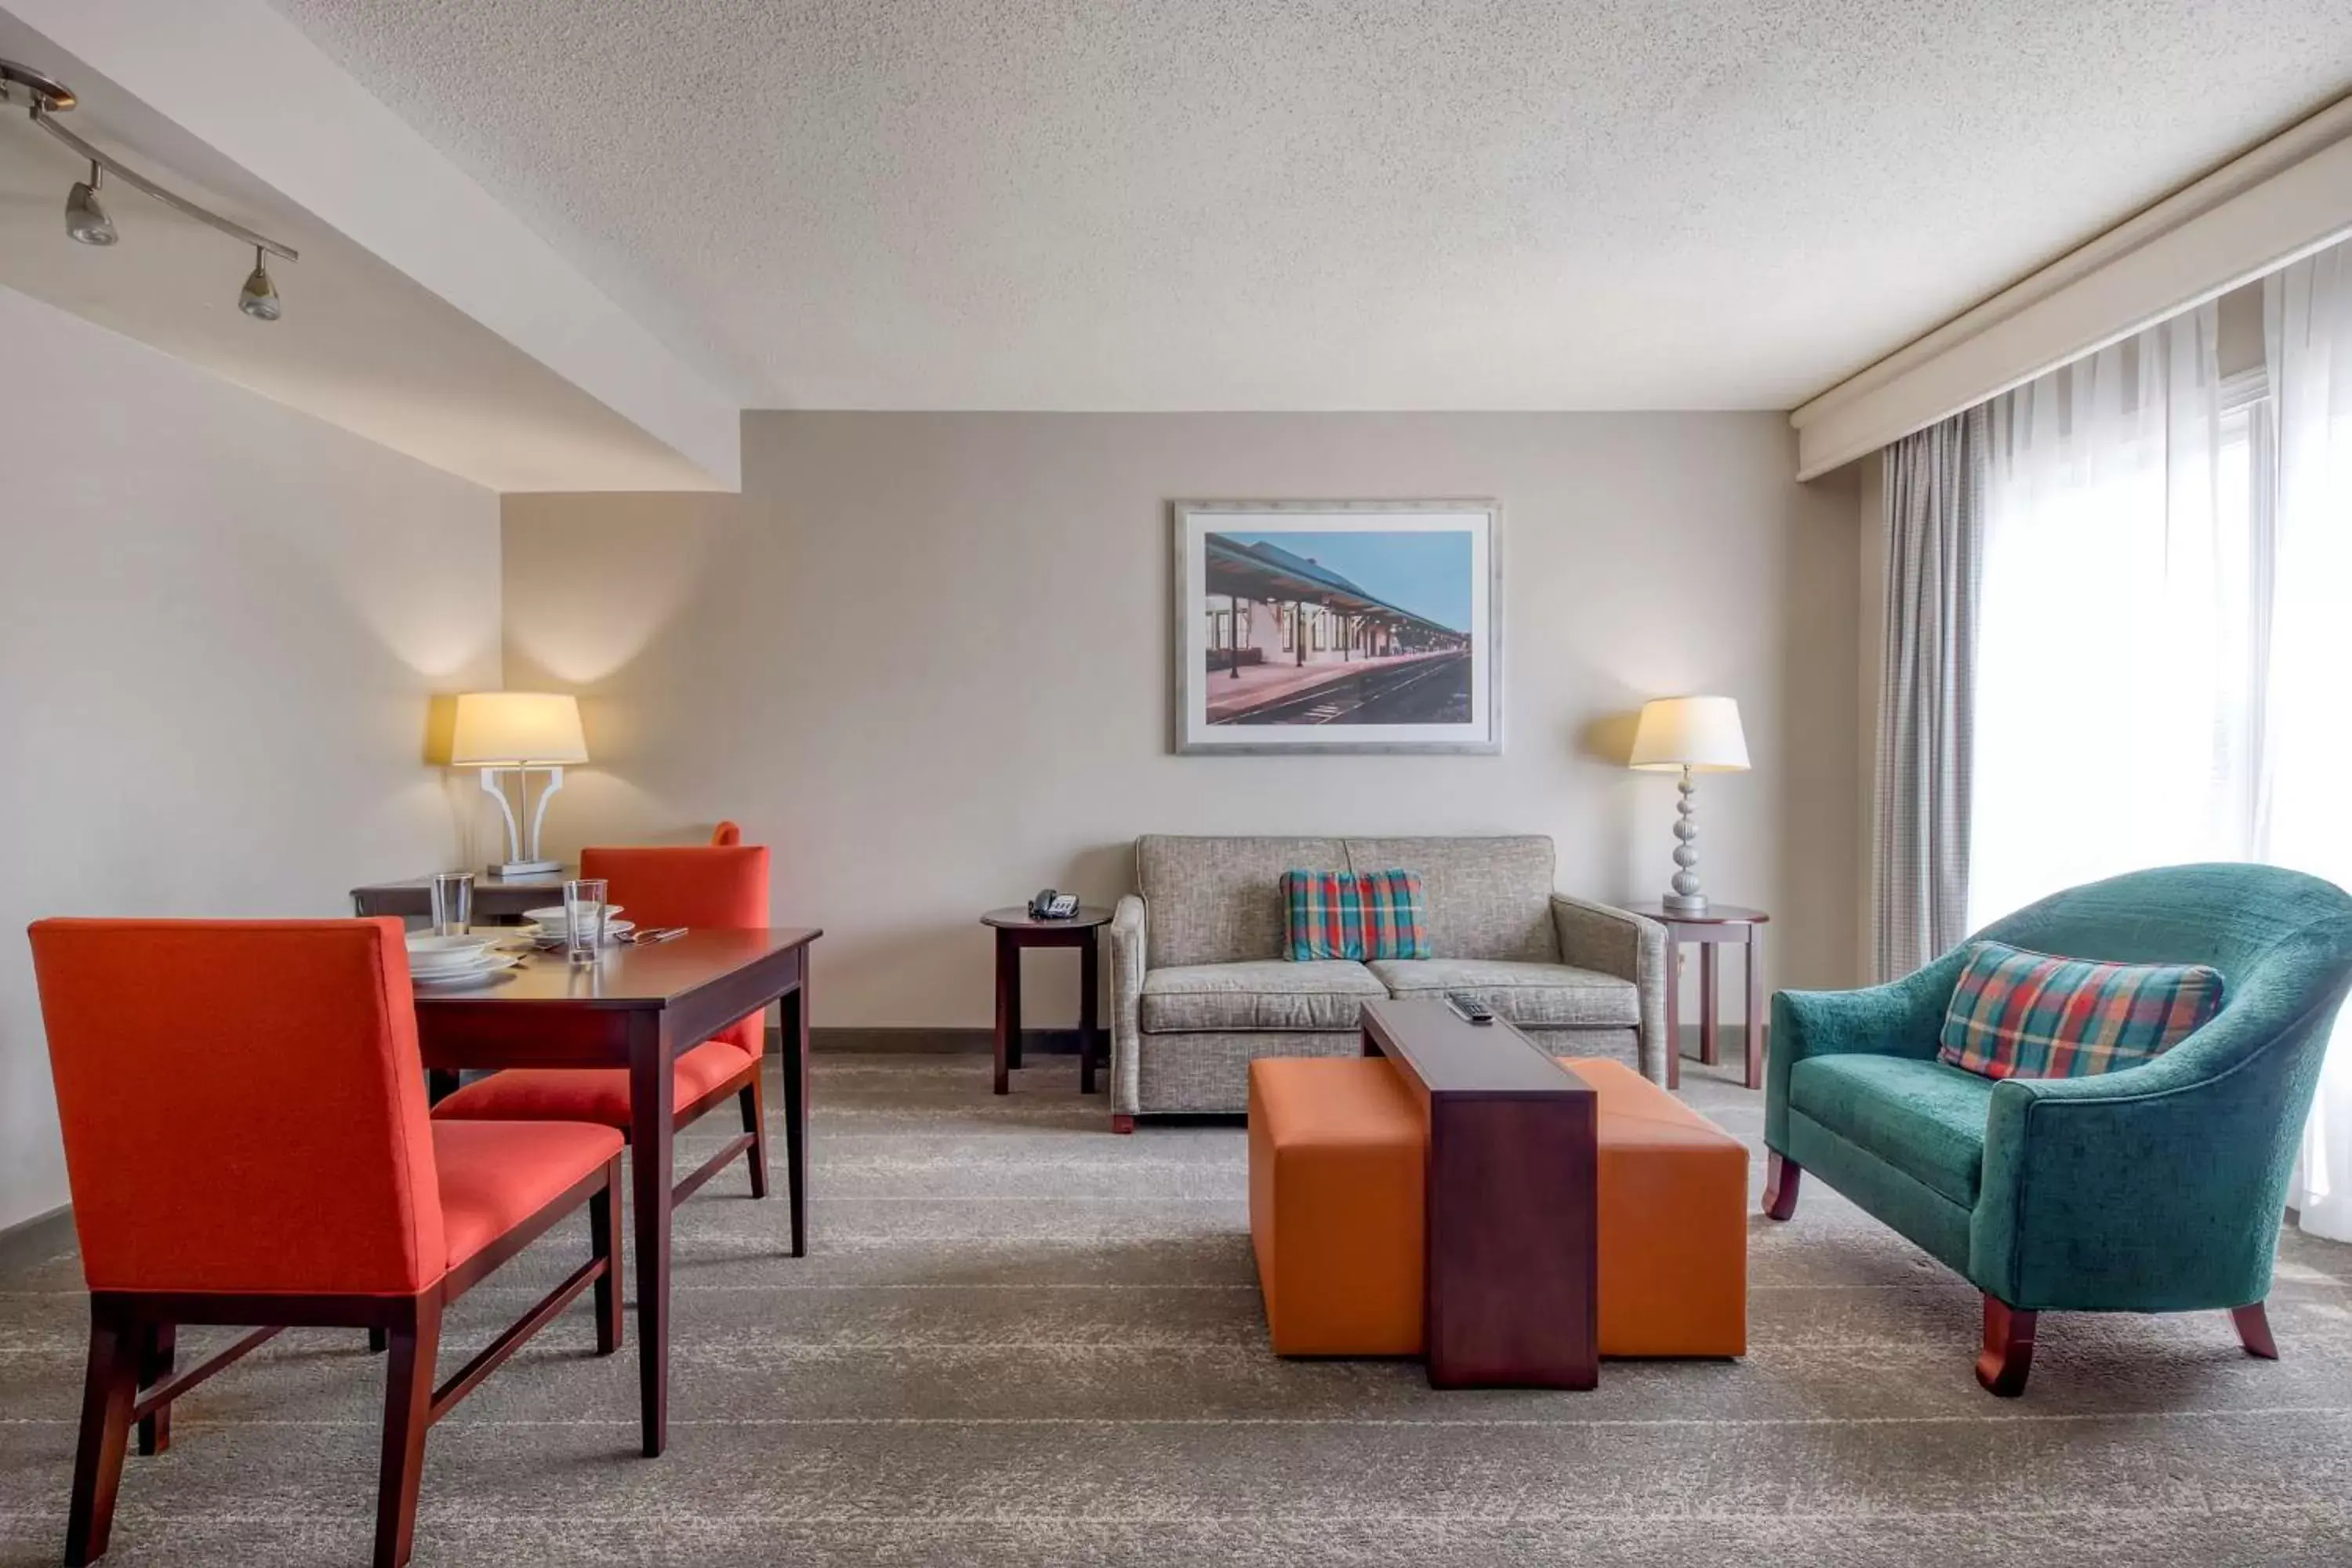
point(1021, 1340)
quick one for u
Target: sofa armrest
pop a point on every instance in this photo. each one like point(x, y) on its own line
point(1902, 1018)
point(1126, 933)
point(1616, 942)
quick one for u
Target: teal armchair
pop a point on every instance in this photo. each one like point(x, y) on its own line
point(2156, 1189)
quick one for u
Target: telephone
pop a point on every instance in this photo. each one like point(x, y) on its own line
point(1049, 905)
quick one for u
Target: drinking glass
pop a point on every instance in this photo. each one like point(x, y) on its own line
point(453, 902)
point(584, 919)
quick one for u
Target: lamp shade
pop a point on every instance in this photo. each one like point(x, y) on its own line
point(517, 728)
point(1701, 733)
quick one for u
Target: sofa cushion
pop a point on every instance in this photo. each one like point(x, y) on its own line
point(1544, 995)
point(1219, 899)
point(1481, 898)
point(1923, 1118)
point(1270, 993)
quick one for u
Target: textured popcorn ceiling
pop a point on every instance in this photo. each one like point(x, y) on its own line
point(1311, 203)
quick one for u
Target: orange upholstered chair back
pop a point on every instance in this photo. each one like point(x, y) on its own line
point(711, 886)
point(242, 1106)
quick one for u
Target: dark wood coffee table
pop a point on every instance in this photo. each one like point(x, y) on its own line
point(1512, 1213)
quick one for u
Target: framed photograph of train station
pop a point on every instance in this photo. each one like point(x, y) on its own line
point(1339, 626)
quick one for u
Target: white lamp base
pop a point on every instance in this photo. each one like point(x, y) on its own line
point(523, 855)
point(1684, 903)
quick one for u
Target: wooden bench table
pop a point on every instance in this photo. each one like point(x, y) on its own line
point(1511, 1201)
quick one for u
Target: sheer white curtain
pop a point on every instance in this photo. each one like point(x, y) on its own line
point(2304, 817)
point(2165, 653)
point(2117, 693)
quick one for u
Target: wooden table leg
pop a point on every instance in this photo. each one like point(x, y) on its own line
point(650, 1111)
point(1090, 982)
point(795, 1009)
point(1008, 1008)
point(1756, 1006)
point(1674, 1011)
point(1710, 1003)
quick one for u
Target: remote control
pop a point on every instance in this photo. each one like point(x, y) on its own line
point(1470, 1008)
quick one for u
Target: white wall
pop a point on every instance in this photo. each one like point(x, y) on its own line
point(220, 624)
point(925, 656)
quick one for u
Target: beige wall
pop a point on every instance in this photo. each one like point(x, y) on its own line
point(926, 657)
point(220, 621)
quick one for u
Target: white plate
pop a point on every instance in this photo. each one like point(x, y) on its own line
point(426, 949)
point(492, 964)
point(459, 964)
point(554, 915)
point(553, 930)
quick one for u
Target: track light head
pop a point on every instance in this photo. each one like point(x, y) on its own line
point(22, 84)
point(258, 298)
point(86, 219)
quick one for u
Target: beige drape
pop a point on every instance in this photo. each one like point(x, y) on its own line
point(1935, 539)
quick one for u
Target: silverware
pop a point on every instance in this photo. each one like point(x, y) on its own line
point(663, 933)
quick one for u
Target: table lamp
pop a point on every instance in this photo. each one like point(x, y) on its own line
point(519, 733)
point(1697, 734)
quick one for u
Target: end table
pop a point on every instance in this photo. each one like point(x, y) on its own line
point(1716, 926)
point(1017, 929)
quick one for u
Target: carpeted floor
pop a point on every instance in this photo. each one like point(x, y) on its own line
point(1021, 1340)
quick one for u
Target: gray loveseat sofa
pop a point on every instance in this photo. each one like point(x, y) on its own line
point(1200, 984)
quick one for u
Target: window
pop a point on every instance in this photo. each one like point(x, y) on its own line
point(2121, 636)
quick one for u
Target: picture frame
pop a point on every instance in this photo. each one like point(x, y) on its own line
point(1337, 626)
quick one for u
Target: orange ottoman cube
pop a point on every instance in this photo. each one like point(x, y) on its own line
point(1338, 1151)
point(1674, 1221)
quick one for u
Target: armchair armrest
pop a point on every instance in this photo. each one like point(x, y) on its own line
point(1126, 933)
point(1617, 941)
point(1900, 1018)
point(2154, 1189)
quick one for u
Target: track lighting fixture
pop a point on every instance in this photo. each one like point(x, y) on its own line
point(86, 216)
point(258, 298)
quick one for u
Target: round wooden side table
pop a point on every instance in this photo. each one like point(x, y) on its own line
point(1716, 926)
point(1016, 929)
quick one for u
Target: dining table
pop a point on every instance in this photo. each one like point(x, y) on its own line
point(637, 1006)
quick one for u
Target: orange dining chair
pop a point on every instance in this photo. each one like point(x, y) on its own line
point(709, 887)
point(246, 1142)
point(726, 835)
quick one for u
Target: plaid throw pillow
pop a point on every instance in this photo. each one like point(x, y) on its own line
point(2027, 1015)
point(1345, 914)
point(1390, 902)
point(1326, 917)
